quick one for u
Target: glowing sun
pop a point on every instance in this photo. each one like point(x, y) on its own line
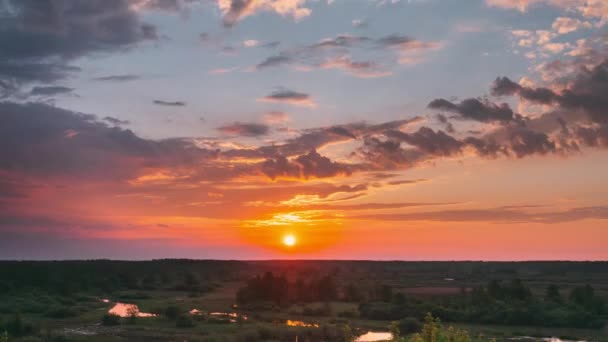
point(289, 240)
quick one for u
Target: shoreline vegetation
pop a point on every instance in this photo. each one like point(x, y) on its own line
point(205, 300)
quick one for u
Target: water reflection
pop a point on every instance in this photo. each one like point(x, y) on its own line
point(543, 339)
point(375, 337)
point(230, 316)
point(128, 310)
point(300, 324)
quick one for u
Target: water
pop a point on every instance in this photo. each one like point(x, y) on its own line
point(231, 316)
point(543, 339)
point(300, 324)
point(125, 310)
point(375, 337)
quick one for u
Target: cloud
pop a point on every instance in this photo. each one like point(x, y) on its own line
point(115, 121)
point(44, 141)
point(586, 92)
point(40, 38)
point(50, 91)
point(275, 117)
point(235, 10)
point(497, 215)
point(273, 61)
point(359, 23)
point(363, 69)
point(476, 109)
point(335, 53)
point(169, 103)
point(117, 78)
point(564, 25)
point(310, 165)
point(431, 142)
point(245, 129)
point(289, 97)
point(586, 8)
point(251, 43)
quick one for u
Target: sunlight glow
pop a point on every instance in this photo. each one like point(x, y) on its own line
point(289, 240)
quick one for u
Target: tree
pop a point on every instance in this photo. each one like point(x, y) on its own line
point(553, 294)
point(347, 333)
point(432, 331)
point(409, 325)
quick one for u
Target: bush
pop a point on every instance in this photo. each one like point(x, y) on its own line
point(184, 321)
point(409, 325)
point(110, 319)
point(61, 312)
point(172, 312)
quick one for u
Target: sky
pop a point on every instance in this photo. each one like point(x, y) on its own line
point(359, 129)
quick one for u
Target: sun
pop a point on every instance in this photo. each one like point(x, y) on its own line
point(289, 240)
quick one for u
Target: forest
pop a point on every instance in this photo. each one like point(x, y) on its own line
point(206, 300)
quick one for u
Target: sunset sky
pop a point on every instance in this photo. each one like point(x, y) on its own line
point(356, 129)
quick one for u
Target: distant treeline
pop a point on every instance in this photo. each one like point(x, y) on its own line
point(67, 277)
point(511, 303)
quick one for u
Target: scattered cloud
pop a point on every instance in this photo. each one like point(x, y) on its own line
point(564, 25)
point(276, 117)
point(169, 103)
point(235, 10)
point(50, 91)
point(245, 129)
point(117, 78)
point(115, 121)
point(289, 97)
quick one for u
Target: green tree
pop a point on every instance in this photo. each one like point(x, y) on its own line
point(347, 333)
point(433, 331)
point(553, 294)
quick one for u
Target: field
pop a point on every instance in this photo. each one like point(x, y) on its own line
point(67, 301)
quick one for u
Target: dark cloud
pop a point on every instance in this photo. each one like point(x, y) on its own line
point(587, 92)
point(115, 121)
point(40, 38)
point(524, 142)
point(169, 103)
point(436, 143)
point(38, 139)
point(271, 45)
point(273, 61)
point(236, 11)
point(503, 86)
point(245, 129)
point(307, 165)
point(476, 109)
point(50, 91)
point(394, 40)
point(117, 78)
point(444, 120)
point(290, 97)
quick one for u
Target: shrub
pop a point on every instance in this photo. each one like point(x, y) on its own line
point(409, 325)
point(184, 321)
point(61, 312)
point(110, 319)
point(172, 312)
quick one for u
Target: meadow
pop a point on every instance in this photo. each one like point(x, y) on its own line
point(190, 300)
